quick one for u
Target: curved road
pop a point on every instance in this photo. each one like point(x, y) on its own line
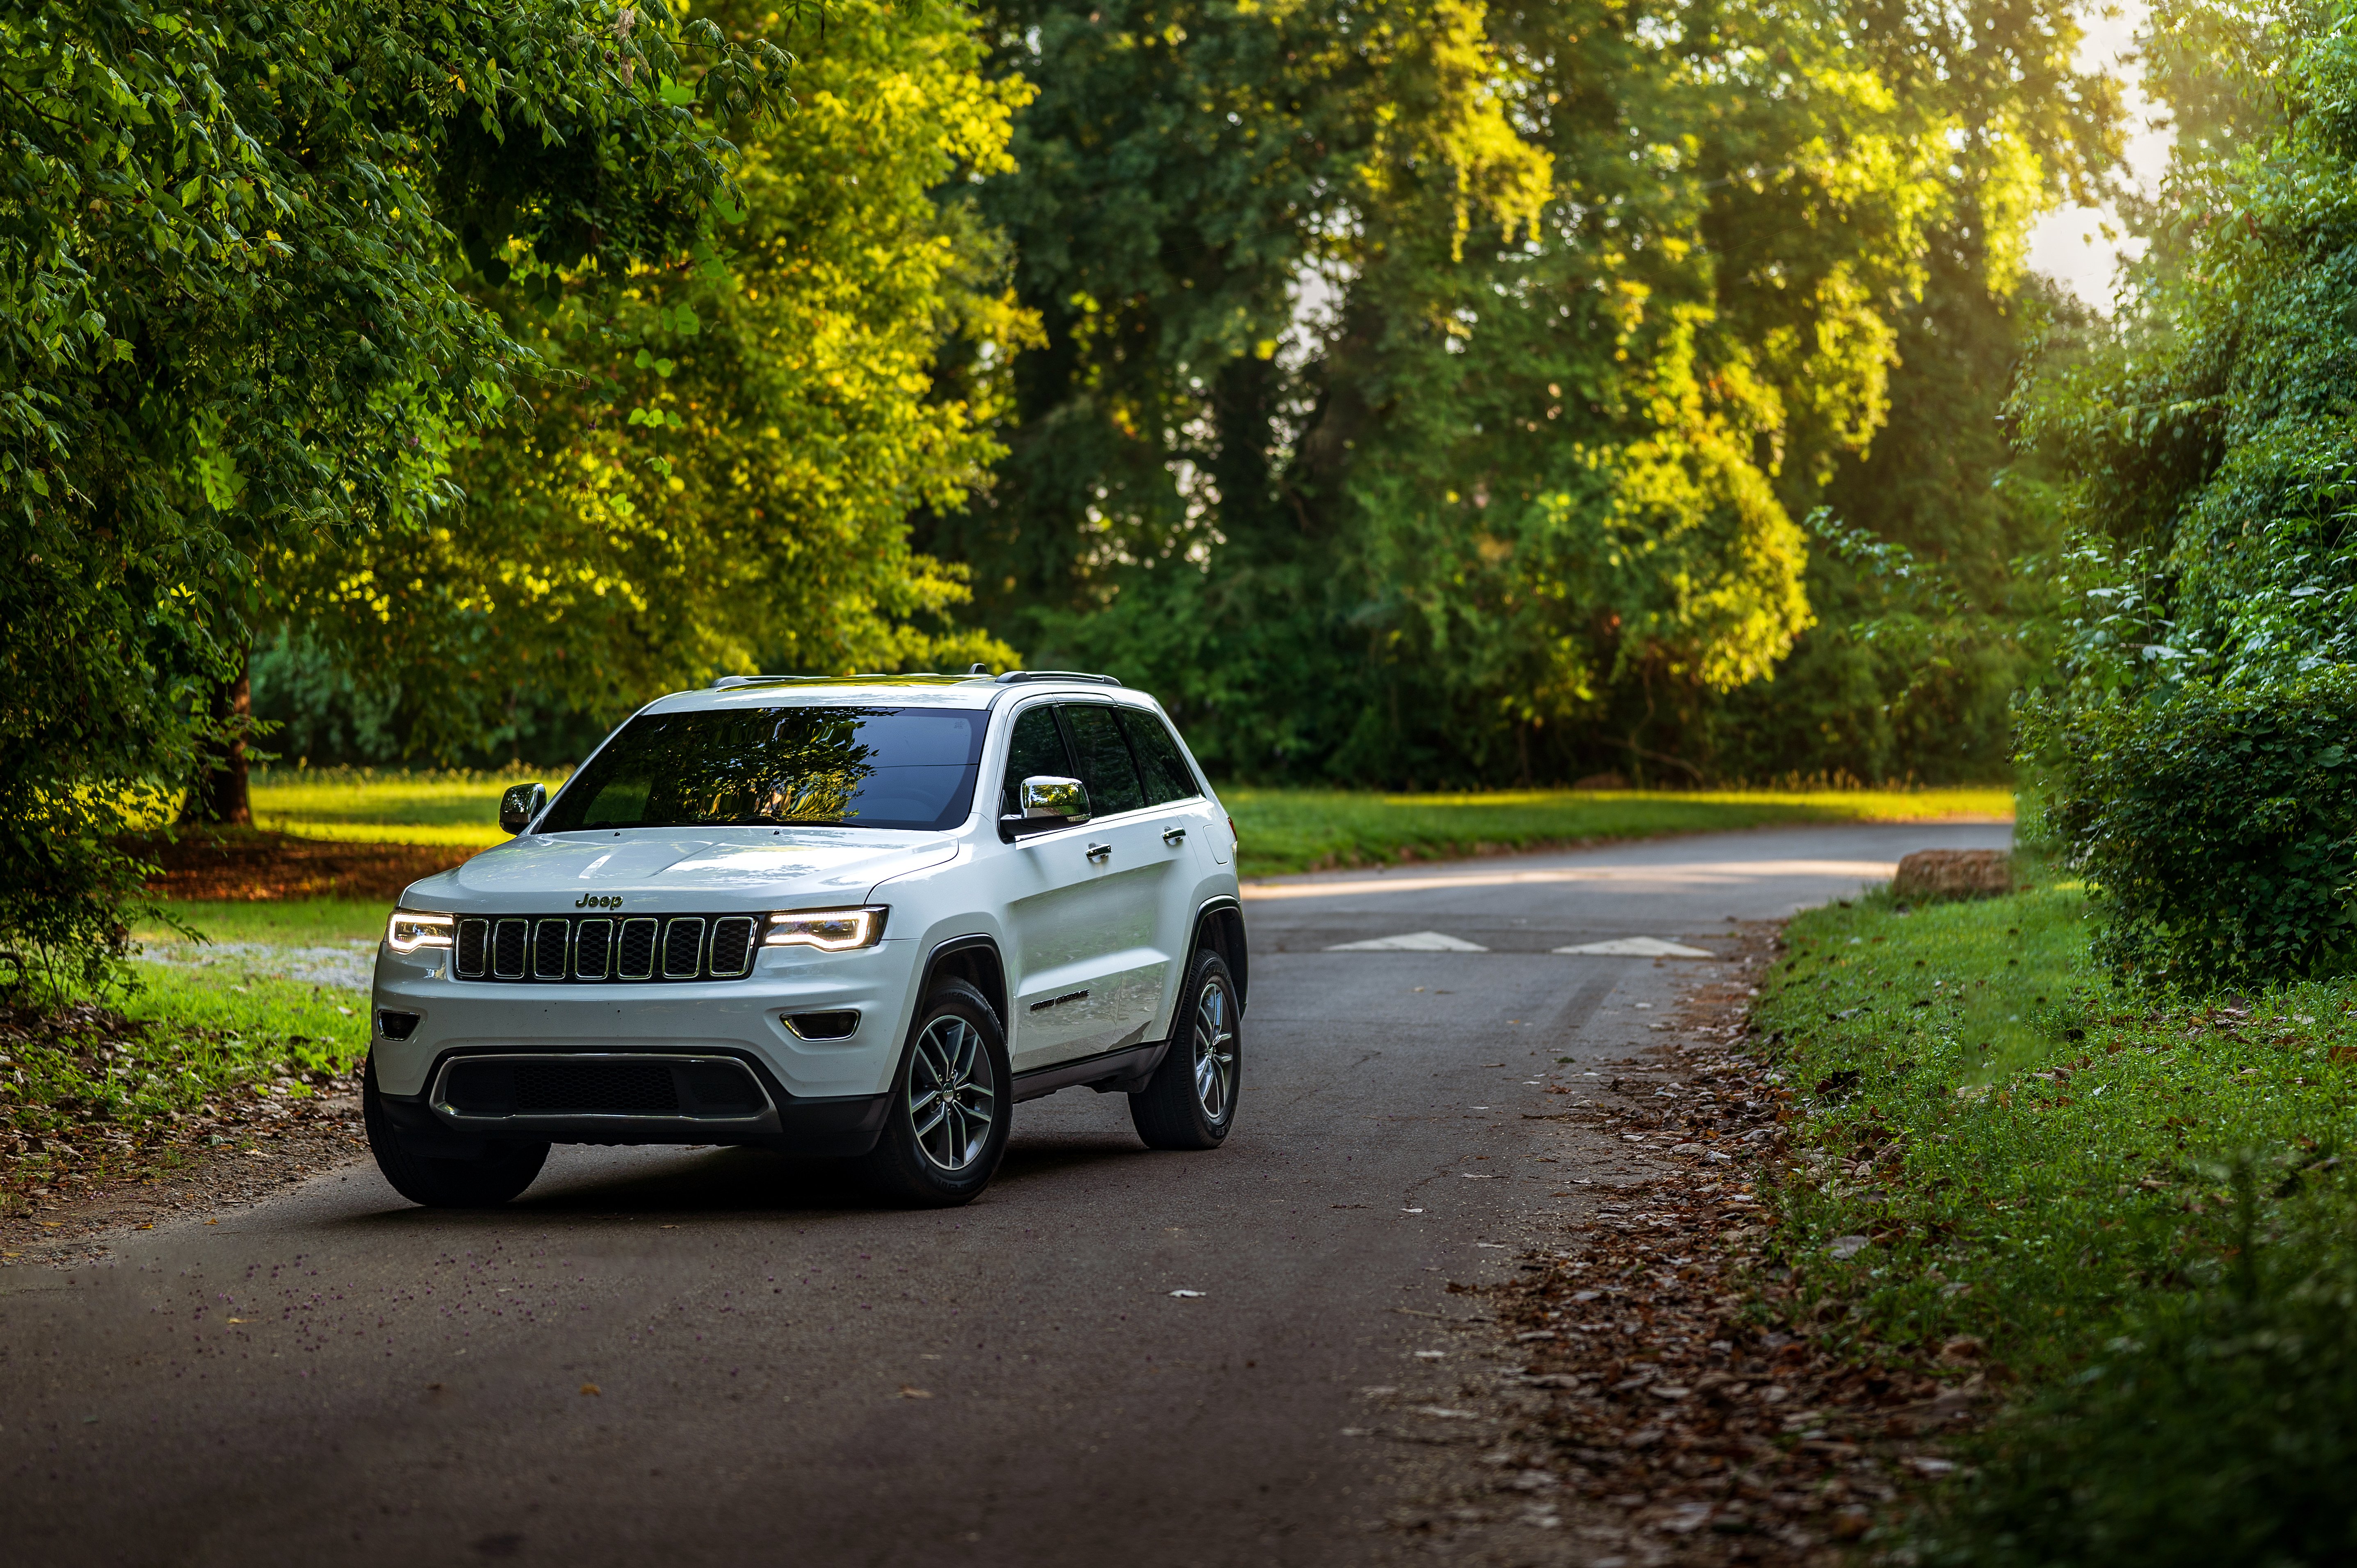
point(784, 1373)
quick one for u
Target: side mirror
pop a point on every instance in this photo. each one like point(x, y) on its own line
point(519, 805)
point(1046, 803)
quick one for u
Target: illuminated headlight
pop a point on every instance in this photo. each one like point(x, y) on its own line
point(830, 930)
point(409, 929)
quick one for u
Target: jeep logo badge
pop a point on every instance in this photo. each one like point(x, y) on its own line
point(597, 901)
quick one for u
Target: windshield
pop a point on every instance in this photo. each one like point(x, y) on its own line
point(869, 768)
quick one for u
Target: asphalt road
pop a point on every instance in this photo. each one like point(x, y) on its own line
point(725, 1357)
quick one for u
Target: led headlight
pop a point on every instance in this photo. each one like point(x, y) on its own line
point(409, 929)
point(830, 930)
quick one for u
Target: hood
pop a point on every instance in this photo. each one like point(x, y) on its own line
point(704, 870)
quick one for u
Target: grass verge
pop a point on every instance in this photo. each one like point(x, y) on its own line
point(2135, 1204)
point(366, 805)
point(1312, 829)
point(1283, 830)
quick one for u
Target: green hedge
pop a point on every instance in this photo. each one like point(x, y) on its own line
point(2218, 827)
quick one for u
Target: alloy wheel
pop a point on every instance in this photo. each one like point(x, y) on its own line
point(952, 1090)
point(1215, 1052)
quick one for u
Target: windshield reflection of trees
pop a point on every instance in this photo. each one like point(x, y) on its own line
point(773, 768)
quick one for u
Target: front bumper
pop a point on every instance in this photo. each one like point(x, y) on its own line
point(455, 1118)
point(823, 1096)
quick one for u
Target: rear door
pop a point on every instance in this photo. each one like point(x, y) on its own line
point(1191, 833)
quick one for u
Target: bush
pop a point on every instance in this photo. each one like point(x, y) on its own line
point(2218, 827)
point(2222, 1428)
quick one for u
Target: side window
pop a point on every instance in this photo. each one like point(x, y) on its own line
point(1168, 777)
point(1106, 771)
point(1035, 749)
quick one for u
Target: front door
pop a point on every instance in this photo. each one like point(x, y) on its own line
point(1093, 959)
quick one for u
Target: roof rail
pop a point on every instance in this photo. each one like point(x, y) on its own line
point(731, 682)
point(1017, 677)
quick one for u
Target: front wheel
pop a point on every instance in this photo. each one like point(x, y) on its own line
point(952, 1102)
point(484, 1182)
point(1190, 1101)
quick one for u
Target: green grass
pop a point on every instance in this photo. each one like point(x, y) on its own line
point(1311, 830)
point(2043, 1148)
point(370, 806)
point(1283, 830)
point(300, 922)
point(227, 1029)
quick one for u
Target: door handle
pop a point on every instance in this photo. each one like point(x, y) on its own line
point(1174, 837)
point(1100, 851)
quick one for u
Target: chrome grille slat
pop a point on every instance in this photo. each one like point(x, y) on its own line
point(549, 941)
point(474, 948)
point(593, 949)
point(638, 948)
point(507, 948)
point(684, 947)
point(549, 949)
point(732, 946)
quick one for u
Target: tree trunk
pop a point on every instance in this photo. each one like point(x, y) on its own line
point(220, 796)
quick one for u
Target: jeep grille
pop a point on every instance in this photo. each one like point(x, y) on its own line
point(603, 949)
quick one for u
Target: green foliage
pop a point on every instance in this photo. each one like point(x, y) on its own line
point(2215, 1428)
point(2219, 825)
point(719, 477)
point(239, 241)
point(2211, 443)
point(1463, 441)
point(2034, 1159)
point(2139, 1206)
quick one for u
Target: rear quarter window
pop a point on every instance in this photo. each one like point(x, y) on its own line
point(1161, 764)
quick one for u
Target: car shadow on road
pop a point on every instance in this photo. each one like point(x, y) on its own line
point(696, 1184)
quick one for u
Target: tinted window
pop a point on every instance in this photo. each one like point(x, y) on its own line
point(1034, 750)
point(1159, 760)
point(1106, 771)
point(870, 767)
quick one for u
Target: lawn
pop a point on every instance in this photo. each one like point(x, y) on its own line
point(1312, 829)
point(1283, 830)
point(370, 806)
point(2132, 1201)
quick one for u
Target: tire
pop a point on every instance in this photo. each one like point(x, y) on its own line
point(937, 1150)
point(1190, 1101)
point(485, 1182)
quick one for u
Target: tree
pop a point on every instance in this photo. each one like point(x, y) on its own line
point(235, 312)
point(721, 479)
point(1483, 464)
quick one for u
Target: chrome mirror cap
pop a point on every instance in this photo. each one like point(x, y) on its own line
point(1046, 802)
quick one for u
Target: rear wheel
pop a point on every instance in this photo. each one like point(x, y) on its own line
point(1190, 1101)
point(952, 1103)
point(484, 1182)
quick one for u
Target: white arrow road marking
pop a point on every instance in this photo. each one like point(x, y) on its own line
point(1637, 947)
point(1414, 941)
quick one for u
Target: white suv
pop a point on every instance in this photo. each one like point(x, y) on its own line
point(857, 917)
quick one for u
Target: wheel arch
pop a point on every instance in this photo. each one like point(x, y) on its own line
point(1219, 925)
point(975, 960)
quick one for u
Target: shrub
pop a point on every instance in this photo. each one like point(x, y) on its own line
point(2217, 826)
point(2221, 1428)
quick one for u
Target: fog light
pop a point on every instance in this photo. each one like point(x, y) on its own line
point(395, 1026)
point(839, 1026)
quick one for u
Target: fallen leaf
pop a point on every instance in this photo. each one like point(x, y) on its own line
point(910, 1392)
point(1847, 1246)
point(586, 1388)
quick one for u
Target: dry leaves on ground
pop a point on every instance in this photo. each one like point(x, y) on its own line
point(66, 1182)
point(1662, 1401)
point(248, 865)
